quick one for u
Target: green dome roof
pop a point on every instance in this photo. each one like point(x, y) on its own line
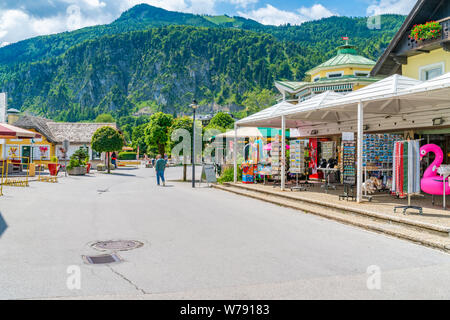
point(347, 55)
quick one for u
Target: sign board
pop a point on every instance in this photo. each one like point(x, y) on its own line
point(66, 145)
point(209, 173)
point(3, 225)
point(348, 136)
point(3, 106)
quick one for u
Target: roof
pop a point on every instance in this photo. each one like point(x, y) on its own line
point(37, 123)
point(295, 87)
point(347, 55)
point(386, 64)
point(57, 132)
point(76, 132)
point(333, 107)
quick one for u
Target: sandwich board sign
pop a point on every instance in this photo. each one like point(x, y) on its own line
point(3, 225)
point(209, 173)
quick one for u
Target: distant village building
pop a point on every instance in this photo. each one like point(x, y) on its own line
point(345, 72)
point(54, 134)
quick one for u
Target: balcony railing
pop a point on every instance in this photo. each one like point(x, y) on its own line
point(431, 43)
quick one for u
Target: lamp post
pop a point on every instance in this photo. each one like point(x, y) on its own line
point(194, 107)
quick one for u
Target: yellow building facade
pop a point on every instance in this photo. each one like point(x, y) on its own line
point(34, 149)
point(424, 65)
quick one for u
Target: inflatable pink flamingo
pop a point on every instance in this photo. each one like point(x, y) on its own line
point(432, 183)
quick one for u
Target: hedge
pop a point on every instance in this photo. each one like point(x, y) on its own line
point(127, 156)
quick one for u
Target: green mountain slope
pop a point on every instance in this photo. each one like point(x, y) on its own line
point(147, 59)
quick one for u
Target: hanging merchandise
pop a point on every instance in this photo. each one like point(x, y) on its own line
point(406, 171)
point(378, 150)
point(328, 150)
point(276, 155)
point(247, 172)
point(313, 162)
point(297, 157)
point(348, 162)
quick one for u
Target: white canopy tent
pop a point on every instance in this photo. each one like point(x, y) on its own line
point(243, 132)
point(393, 95)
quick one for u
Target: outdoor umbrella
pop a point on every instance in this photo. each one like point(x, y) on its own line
point(8, 131)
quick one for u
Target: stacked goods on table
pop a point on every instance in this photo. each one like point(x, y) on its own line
point(378, 150)
point(348, 162)
point(297, 157)
point(328, 150)
point(276, 155)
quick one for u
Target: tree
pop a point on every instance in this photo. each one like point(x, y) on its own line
point(258, 100)
point(157, 131)
point(107, 139)
point(105, 118)
point(221, 120)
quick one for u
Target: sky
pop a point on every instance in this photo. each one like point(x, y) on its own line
point(22, 19)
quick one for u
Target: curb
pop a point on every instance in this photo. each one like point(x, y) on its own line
point(368, 226)
point(422, 225)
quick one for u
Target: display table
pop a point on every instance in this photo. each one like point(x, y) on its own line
point(326, 172)
point(444, 172)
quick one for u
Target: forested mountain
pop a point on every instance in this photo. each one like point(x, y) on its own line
point(155, 58)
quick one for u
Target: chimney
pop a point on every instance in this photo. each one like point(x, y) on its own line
point(3, 106)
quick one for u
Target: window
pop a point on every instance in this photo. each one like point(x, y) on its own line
point(96, 155)
point(361, 73)
point(431, 71)
point(333, 75)
point(316, 79)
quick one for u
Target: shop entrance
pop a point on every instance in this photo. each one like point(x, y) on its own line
point(26, 154)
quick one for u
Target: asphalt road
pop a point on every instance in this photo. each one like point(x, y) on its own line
point(198, 244)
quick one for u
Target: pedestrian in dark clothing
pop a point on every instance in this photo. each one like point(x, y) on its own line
point(160, 167)
point(114, 159)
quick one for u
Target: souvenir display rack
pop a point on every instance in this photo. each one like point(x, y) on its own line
point(297, 161)
point(348, 168)
point(348, 162)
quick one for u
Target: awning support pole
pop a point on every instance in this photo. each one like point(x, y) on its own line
point(235, 152)
point(283, 152)
point(359, 154)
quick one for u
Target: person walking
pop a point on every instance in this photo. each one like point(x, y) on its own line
point(160, 167)
point(114, 159)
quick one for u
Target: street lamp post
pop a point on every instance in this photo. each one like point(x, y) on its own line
point(194, 106)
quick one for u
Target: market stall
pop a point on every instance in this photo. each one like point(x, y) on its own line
point(395, 105)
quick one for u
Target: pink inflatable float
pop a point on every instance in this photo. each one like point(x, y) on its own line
point(432, 182)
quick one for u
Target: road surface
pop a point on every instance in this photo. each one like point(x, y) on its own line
point(198, 244)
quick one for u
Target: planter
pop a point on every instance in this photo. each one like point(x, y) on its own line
point(77, 171)
point(53, 168)
point(101, 167)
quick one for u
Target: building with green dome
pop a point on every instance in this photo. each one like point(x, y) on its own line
point(345, 72)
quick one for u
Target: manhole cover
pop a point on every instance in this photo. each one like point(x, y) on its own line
point(117, 245)
point(102, 259)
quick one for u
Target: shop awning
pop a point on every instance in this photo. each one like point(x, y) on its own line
point(244, 132)
point(8, 131)
point(271, 117)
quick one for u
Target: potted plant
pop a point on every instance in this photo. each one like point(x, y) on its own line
point(101, 167)
point(77, 163)
point(53, 166)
